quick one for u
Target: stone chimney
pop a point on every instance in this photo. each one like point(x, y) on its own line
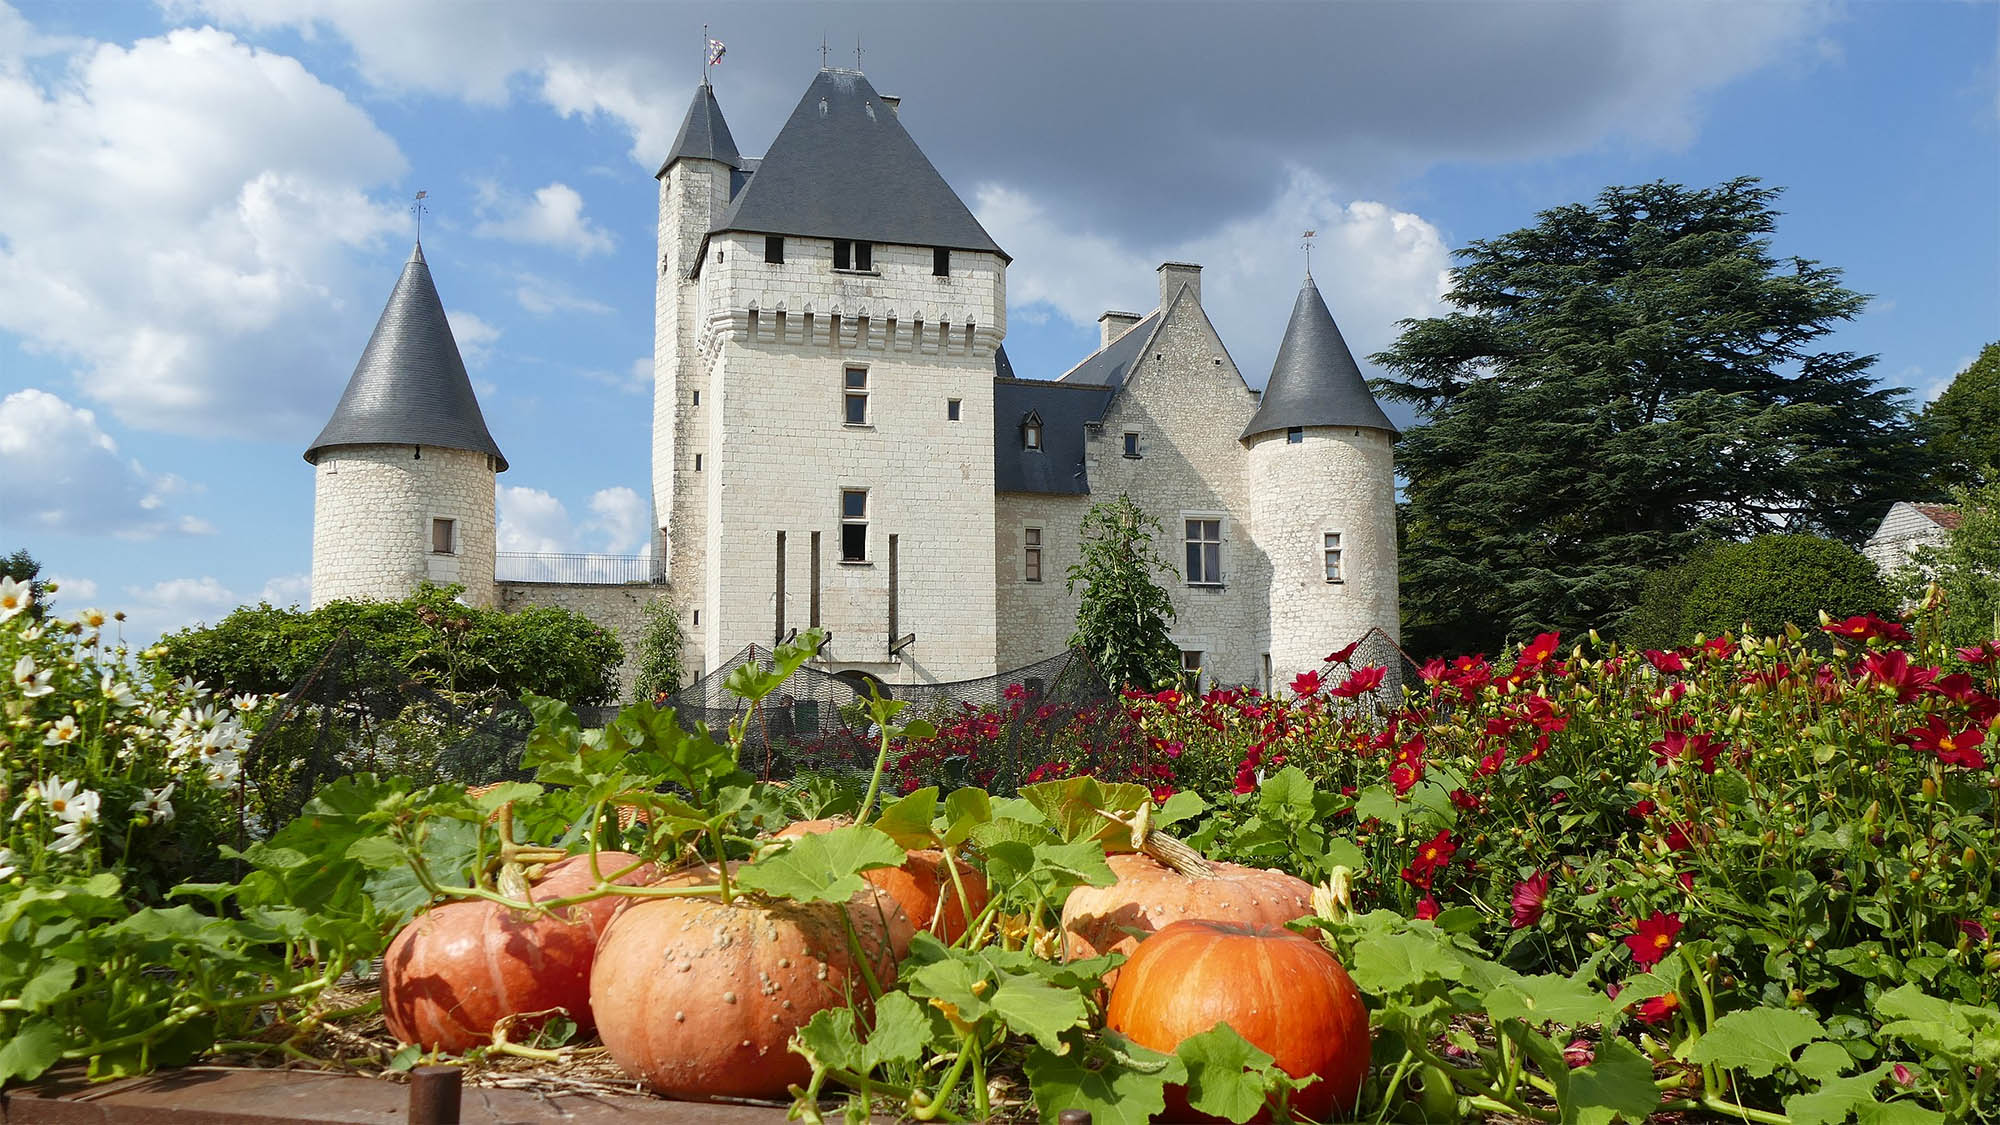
point(894, 102)
point(1173, 275)
point(1112, 325)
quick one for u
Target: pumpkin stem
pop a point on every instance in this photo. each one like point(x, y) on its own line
point(1169, 851)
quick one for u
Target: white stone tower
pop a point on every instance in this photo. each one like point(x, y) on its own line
point(403, 472)
point(1322, 494)
point(826, 329)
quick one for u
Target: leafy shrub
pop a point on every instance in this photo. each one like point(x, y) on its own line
point(1966, 570)
point(659, 657)
point(1764, 583)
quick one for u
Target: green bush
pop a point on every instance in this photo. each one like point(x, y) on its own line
point(1761, 584)
point(659, 658)
point(1966, 569)
point(428, 638)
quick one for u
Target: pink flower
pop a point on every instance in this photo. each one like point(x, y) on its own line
point(1659, 1009)
point(1902, 1075)
point(1530, 896)
point(1665, 661)
point(1985, 652)
point(1654, 938)
point(1579, 1053)
point(1427, 908)
point(1305, 683)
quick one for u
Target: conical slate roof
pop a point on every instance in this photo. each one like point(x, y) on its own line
point(704, 134)
point(842, 167)
point(1315, 381)
point(410, 387)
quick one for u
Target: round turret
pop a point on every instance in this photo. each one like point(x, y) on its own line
point(1322, 473)
point(403, 472)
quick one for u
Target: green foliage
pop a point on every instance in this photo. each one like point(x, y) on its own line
point(22, 567)
point(1966, 570)
point(1619, 383)
point(428, 638)
point(659, 656)
point(1961, 429)
point(1122, 619)
point(1758, 586)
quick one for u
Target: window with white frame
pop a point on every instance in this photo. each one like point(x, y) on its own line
point(853, 525)
point(1204, 552)
point(854, 396)
point(1031, 431)
point(1330, 546)
point(1032, 539)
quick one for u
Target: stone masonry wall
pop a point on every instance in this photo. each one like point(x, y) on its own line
point(621, 609)
point(1035, 618)
point(372, 512)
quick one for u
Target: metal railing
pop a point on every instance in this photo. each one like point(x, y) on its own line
point(582, 570)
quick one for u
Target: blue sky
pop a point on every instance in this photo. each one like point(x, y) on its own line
point(203, 205)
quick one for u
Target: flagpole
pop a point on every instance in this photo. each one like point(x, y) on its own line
point(704, 54)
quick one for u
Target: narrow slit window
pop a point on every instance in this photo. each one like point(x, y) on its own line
point(697, 462)
point(697, 398)
point(1204, 552)
point(951, 410)
point(854, 397)
point(1032, 537)
point(940, 262)
point(443, 532)
point(1131, 445)
point(774, 249)
point(1330, 544)
point(854, 525)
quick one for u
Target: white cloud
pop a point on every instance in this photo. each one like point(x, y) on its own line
point(552, 217)
point(63, 473)
point(175, 603)
point(622, 517)
point(1375, 265)
point(532, 521)
point(474, 335)
point(542, 296)
point(73, 591)
point(287, 590)
point(179, 222)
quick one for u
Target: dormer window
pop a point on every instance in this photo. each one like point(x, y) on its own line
point(1031, 431)
point(940, 262)
point(849, 254)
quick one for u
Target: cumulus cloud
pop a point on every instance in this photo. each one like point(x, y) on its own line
point(180, 220)
point(287, 590)
point(542, 296)
point(474, 335)
point(551, 216)
point(176, 603)
point(532, 521)
point(1374, 264)
point(73, 591)
point(64, 474)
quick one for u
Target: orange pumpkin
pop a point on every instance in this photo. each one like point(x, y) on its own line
point(1280, 990)
point(456, 970)
point(922, 885)
point(1149, 895)
point(698, 998)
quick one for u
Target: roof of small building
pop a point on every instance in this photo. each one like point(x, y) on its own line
point(1315, 381)
point(1063, 409)
point(843, 167)
point(1946, 516)
point(704, 134)
point(1108, 365)
point(410, 387)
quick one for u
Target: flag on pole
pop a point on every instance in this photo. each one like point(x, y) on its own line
point(715, 51)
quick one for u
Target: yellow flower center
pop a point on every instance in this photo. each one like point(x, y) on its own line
point(58, 806)
point(1946, 743)
point(1662, 941)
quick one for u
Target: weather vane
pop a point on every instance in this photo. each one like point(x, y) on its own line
point(417, 208)
point(857, 52)
point(822, 50)
point(1306, 241)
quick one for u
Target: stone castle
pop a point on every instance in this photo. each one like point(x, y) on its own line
point(839, 439)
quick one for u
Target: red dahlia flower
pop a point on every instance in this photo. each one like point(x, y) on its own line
point(1985, 652)
point(1868, 627)
point(1363, 680)
point(1427, 908)
point(1960, 749)
point(1664, 662)
point(1530, 897)
point(1305, 683)
point(1654, 939)
point(1659, 1009)
point(1342, 655)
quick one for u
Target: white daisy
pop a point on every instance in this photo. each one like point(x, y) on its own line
point(7, 867)
point(14, 597)
point(118, 692)
point(70, 836)
point(93, 618)
point(155, 804)
point(63, 733)
point(71, 803)
point(245, 702)
point(30, 682)
point(222, 770)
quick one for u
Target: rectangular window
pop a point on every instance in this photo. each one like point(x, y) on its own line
point(1191, 668)
point(774, 249)
point(697, 398)
point(1330, 543)
point(1033, 538)
point(697, 462)
point(1131, 444)
point(854, 397)
point(1295, 436)
point(853, 525)
point(1204, 552)
point(1031, 435)
point(951, 410)
point(843, 254)
point(442, 532)
point(864, 255)
point(940, 262)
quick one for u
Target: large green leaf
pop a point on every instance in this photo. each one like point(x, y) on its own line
point(825, 867)
point(1397, 961)
point(1756, 1041)
point(1618, 1082)
point(1228, 1076)
point(908, 821)
point(1117, 1082)
point(1841, 1098)
point(32, 1049)
point(1033, 1007)
point(1549, 999)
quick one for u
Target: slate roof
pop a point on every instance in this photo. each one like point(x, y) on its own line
point(704, 134)
point(1057, 468)
point(843, 167)
point(1315, 381)
point(1108, 366)
point(410, 387)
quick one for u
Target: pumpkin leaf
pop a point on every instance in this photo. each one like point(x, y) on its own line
point(1549, 999)
point(1394, 962)
point(1116, 1080)
point(833, 1036)
point(956, 983)
point(32, 1049)
point(1183, 805)
point(901, 1031)
point(825, 867)
point(965, 810)
point(50, 982)
point(1757, 1041)
point(1076, 807)
point(908, 821)
point(1617, 1083)
point(1228, 1076)
point(1035, 1008)
point(1841, 1098)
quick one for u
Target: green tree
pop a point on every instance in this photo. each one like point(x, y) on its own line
point(1619, 383)
point(1966, 568)
point(659, 656)
point(1761, 584)
point(1961, 430)
point(1122, 619)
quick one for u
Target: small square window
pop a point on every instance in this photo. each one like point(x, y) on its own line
point(1032, 537)
point(853, 525)
point(1131, 444)
point(951, 410)
point(1295, 436)
point(854, 396)
point(1330, 545)
point(774, 249)
point(443, 532)
point(940, 262)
